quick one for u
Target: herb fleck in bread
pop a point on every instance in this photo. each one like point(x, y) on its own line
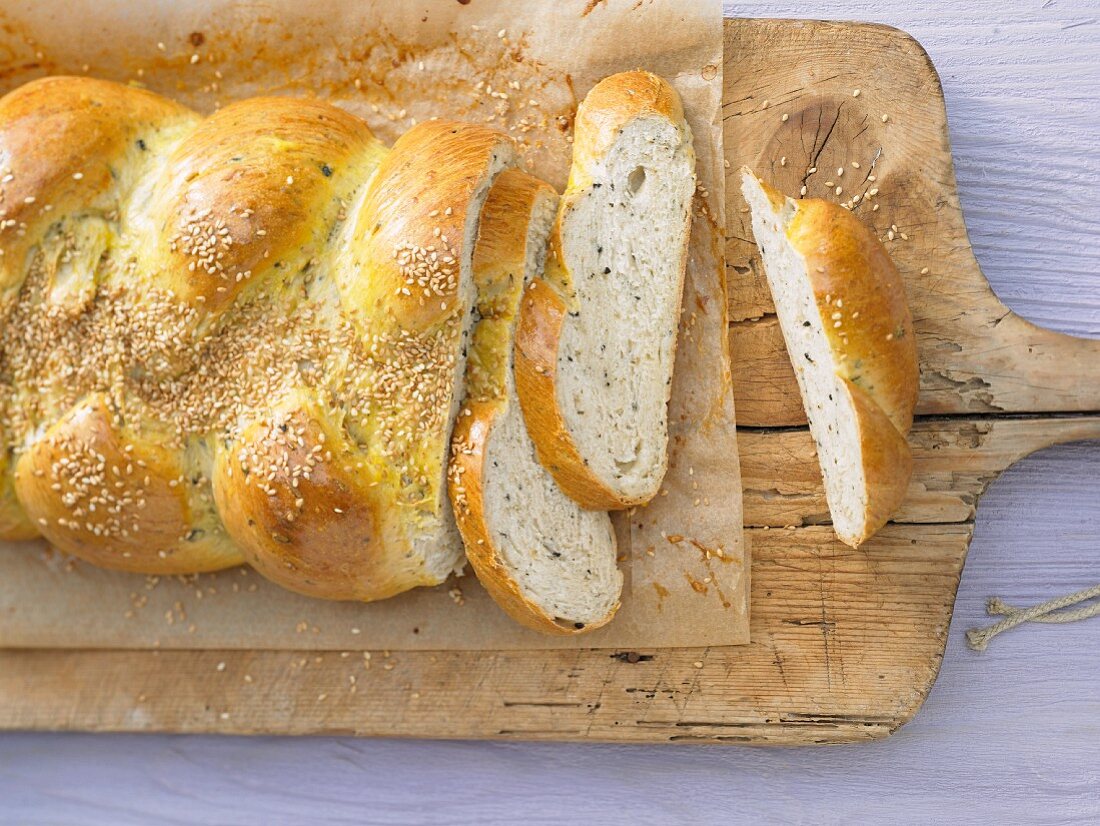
point(597, 334)
point(842, 309)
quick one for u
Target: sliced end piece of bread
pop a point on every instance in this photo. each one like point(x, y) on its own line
point(546, 561)
point(849, 333)
point(597, 336)
point(348, 499)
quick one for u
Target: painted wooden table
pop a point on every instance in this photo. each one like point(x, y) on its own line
point(1010, 735)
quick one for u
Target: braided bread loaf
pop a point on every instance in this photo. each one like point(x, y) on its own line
point(238, 338)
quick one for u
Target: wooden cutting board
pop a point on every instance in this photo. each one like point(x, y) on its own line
point(846, 644)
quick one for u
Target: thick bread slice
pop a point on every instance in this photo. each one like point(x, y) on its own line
point(842, 308)
point(547, 562)
point(597, 334)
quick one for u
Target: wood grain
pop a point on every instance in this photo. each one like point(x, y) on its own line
point(976, 355)
point(816, 601)
point(845, 644)
point(955, 460)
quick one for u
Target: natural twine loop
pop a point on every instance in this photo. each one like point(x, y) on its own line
point(1050, 611)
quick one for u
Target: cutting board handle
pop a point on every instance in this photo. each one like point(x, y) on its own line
point(985, 358)
point(1062, 370)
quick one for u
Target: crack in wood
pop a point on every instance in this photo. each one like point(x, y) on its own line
point(631, 657)
point(540, 704)
point(977, 417)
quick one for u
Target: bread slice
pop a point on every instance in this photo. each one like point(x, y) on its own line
point(597, 334)
point(842, 309)
point(547, 562)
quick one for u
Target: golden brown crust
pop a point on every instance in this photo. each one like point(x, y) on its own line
point(867, 322)
point(862, 302)
point(252, 194)
point(887, 465)
point(309, 514)
point(63, 142)
point(499, 265)
point(608, 107)
point(408, 241)
point(100, 491)
point(538, 333)
point(500, 255)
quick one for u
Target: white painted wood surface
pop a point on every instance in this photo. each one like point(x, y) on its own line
point(1012, 735)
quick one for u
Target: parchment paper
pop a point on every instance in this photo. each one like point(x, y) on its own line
point(521, 65)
